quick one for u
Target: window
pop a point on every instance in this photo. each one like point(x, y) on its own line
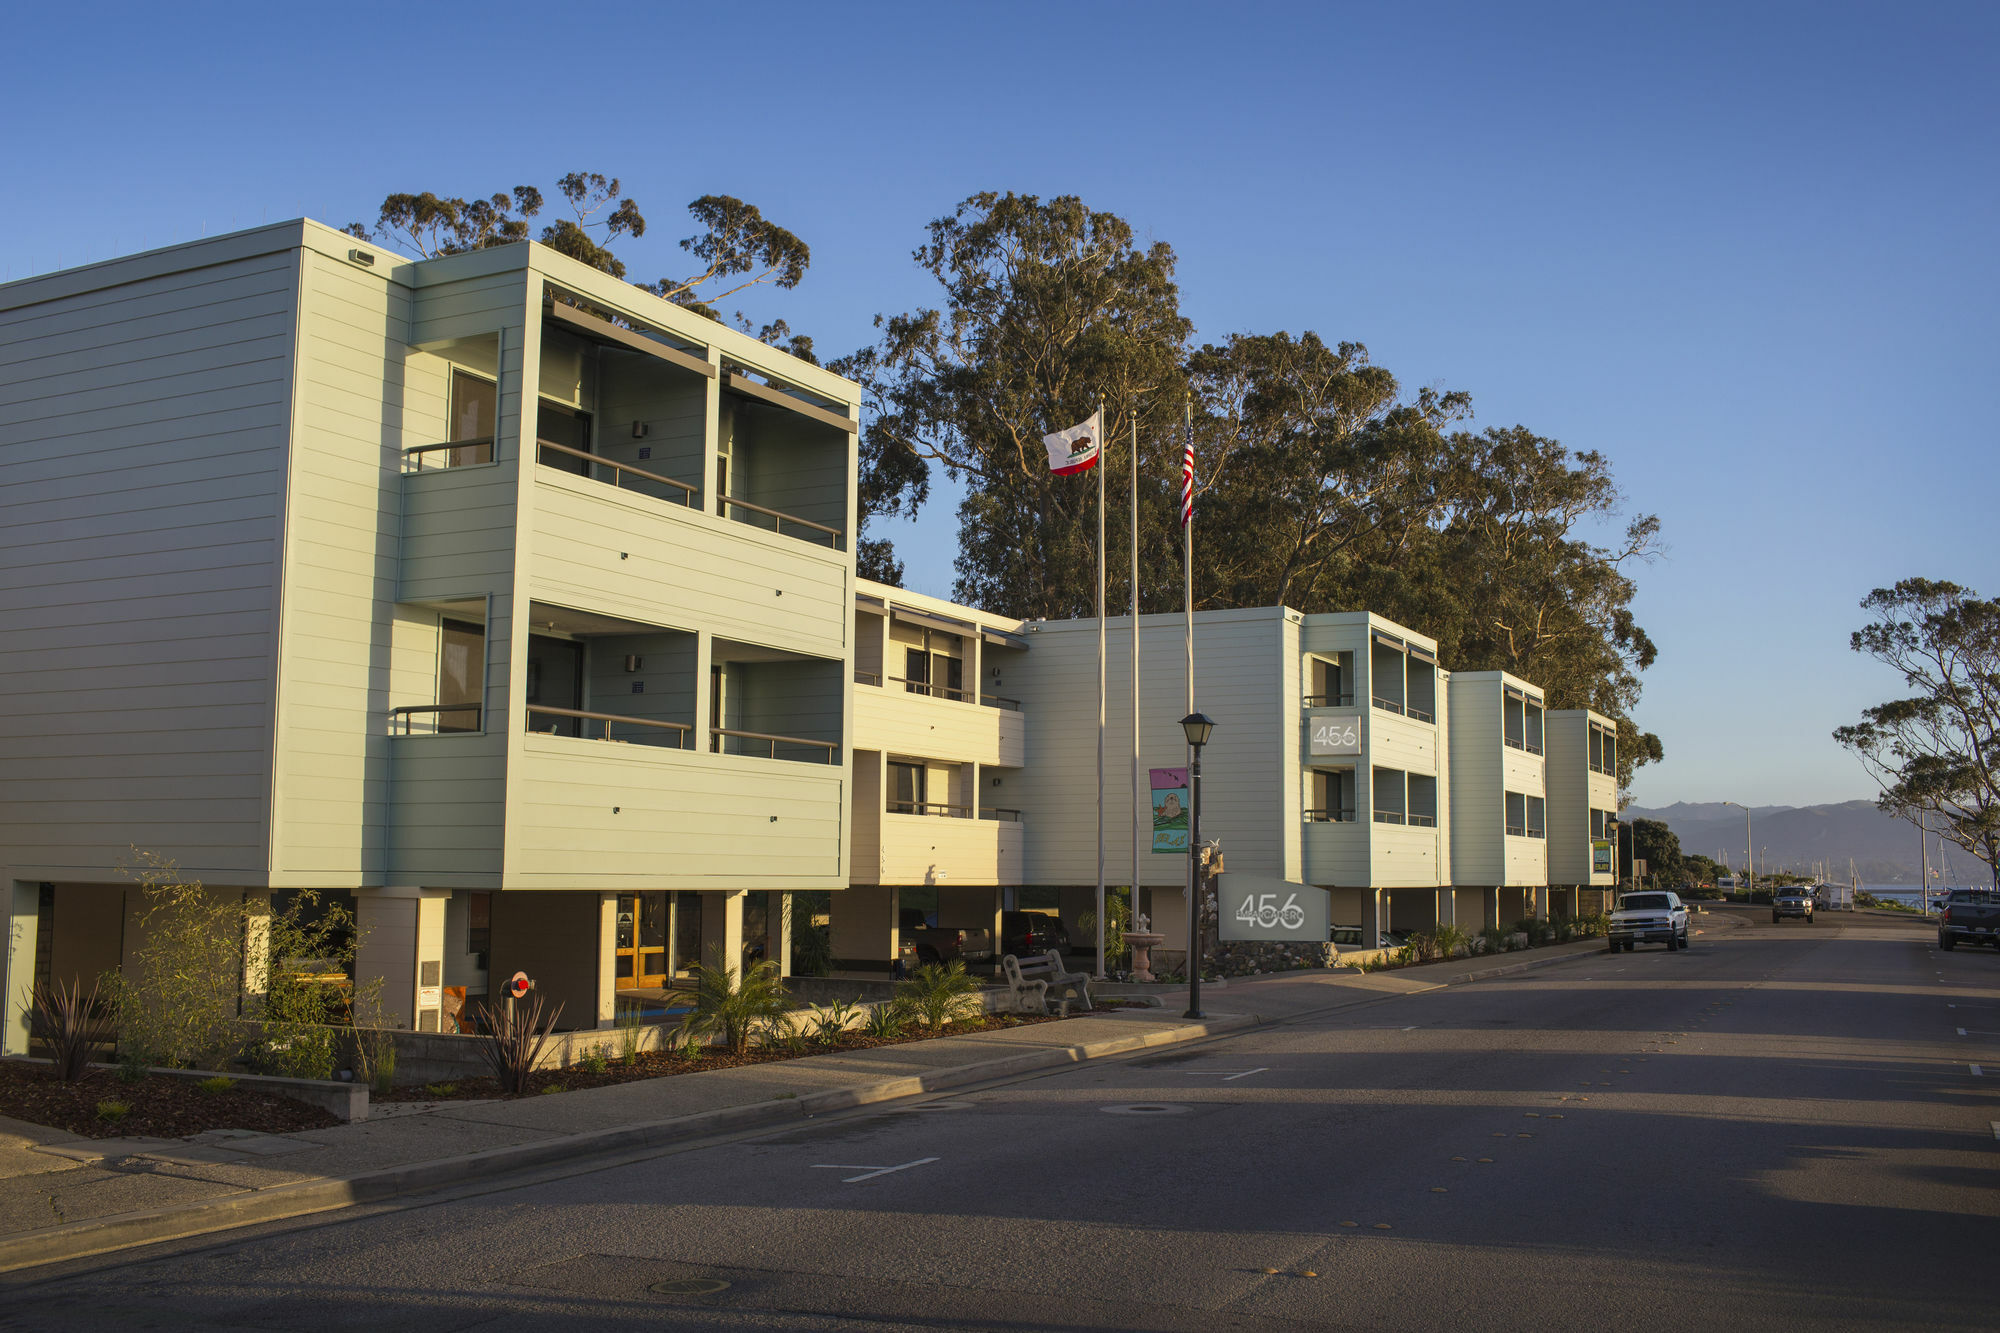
point(461, 675)
point(1385, 676)
point(947, 676)
point(1596, 749)
point(1603, 750)
point(566, 428)
point(1332, 797)
point(1537, 808)
point(555, 680)
point(1514, 714)
point(479, 925)
point(1597, 826)
point(1423, 801)
point(1332, 683)
point(473, 413)
point(1534, 726)
point(916, 670)
point(906, 788)
point(1517, 815)
point(1420, 690)
point(1388, 794)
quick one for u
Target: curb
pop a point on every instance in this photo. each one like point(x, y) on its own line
point(1487, 974)
point(102, 1235)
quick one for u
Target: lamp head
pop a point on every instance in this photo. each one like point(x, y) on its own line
point(1197, 726)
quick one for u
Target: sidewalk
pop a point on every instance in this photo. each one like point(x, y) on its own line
point(64, 1197)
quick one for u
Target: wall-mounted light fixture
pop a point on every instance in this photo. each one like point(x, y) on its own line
point(633, 662)
point(639, 430)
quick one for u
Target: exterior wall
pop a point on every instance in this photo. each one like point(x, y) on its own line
point(563, 941)
point(1478, 825)
point(144, 405)
point(929, 849)
point(1240, 682)
point(1574, 791)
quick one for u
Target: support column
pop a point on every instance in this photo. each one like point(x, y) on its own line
point(722, 929)
point(1371, 918)
point(401, 931)
point(778, 931)
point(1447, 908)
point(17, 979)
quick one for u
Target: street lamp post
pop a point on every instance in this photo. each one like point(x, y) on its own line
point(1197, 726)
point(1749, 852)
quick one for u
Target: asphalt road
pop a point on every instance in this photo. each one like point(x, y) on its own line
point(1780, 1129)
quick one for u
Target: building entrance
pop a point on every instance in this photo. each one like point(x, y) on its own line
point(659, 938)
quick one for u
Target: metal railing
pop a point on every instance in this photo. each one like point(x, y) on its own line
point(1389, 817)
point(1517, 830)
point(1330, 816)
point(1330, 700)
point(717, 736)
point(937, 691)
point(406, 713)
point(415, 456)
point(1421, 821)
point(681, 729)
point(620, 469)
point(1534, 832)
point(779, 519)
point(1532, 747)
point(942, 810)
point(1416, 714)
point(1514, 743)
point(1387, 705)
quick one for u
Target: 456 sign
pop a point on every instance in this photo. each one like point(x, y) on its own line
point(1335, 736)
point(1252, 907)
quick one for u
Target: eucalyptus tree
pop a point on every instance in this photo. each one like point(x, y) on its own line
point(1935, 752)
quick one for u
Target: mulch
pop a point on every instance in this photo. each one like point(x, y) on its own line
point(659, 1064)
point(161, 1107)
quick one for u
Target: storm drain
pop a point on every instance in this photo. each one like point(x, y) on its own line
point(1146, 1108)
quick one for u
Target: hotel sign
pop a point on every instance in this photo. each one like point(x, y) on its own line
point(1336, 736)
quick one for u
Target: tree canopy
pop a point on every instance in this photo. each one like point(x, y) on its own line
point(1321, 483)
point(736, 245)
point(1935, 752)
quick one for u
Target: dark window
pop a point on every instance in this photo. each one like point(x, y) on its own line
point(917, 670)
point(474, 408)
point(1536, 808)
point(479, 925)
point(461, 675)
point(567, 427)
point(906, 789)
point(1517, 814)
point(555, 680)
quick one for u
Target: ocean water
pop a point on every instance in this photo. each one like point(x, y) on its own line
point(1908, 893)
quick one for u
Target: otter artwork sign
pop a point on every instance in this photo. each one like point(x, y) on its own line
point(1170, 810)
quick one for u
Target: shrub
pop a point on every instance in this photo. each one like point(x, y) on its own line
point(594, 1062)
point(628, 1034)
point(440, 1089)
point(176, 1002)
point(131, 1067)
point(781, 1035)
point(830, 1024)
point(734, 1008)
point(1495, 939)
point(516, 1034)
point(375, 1058)
point(72, 1024)
point(112, 1112)
point(1451, 941)
point(938, 994)
point(812, 945)
point(884, 1021)
point(218, 1085)
point(548, 1088)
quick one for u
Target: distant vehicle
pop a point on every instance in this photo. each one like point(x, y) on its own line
point(1349, 937)
point(1649, 918)
point(1024, 933)
point(1793, 901)
point(923, 943)
point(1971, 916)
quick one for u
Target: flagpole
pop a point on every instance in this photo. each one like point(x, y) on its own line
point(1133, 916)
point(1187, 586)
point(1101, 464)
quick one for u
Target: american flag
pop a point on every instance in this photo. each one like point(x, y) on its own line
point(1187, 478)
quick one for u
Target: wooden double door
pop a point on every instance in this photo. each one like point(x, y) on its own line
point(659, 938)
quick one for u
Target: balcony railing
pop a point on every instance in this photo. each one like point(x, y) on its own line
point(1417, 714)
point(1516, 743)
point(1330, 816)
point(937, 691)
point(682, 731)
point(417, 457)
point(1532, 747)
point(719, 736)
point(1330, 700)
point(942, 810)
point(620, 470)
point(779, 519)
point(1422, 821)
point(1389, 817)
point(1387, 705)
point(404, 717)
point(1517, 830)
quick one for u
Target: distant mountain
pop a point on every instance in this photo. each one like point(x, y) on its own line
point(1884, 850)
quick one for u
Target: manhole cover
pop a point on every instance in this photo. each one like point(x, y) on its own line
point(690, 1286)
point(1145, 1108)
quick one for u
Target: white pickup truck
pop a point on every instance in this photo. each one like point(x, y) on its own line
point(1649, 918)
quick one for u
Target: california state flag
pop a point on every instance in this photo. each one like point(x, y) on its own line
point(1075, 449)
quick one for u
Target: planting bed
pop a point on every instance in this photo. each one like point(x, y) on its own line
point(161, 1108)
point(661, 1064)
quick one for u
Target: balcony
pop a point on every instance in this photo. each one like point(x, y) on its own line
point(944, 844)
point(902, 716)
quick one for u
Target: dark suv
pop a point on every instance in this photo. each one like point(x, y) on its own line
point(1023, 933)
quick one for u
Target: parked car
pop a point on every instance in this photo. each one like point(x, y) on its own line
point(1792, 902)
point(1970, 916)
point(1349, 937)
point(1023, 933)
point(1649, 918)
point(921, 942)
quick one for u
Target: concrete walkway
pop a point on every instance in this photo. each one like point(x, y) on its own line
point(64, 1197)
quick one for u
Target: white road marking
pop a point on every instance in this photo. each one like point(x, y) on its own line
point(1248, 1072)
point(1996, 1128)
point(1961, 1031)
point(870, 1172)
point(1976, 1070)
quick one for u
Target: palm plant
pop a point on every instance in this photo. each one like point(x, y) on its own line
point(72, 1024)
point(832, 1022)
point(937, 994)
point(735, 1008)
point(515, 1038)
point(884, 1021)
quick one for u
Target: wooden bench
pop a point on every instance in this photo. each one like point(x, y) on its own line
point(1031, 984)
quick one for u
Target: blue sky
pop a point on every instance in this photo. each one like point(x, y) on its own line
point(1744, 250)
